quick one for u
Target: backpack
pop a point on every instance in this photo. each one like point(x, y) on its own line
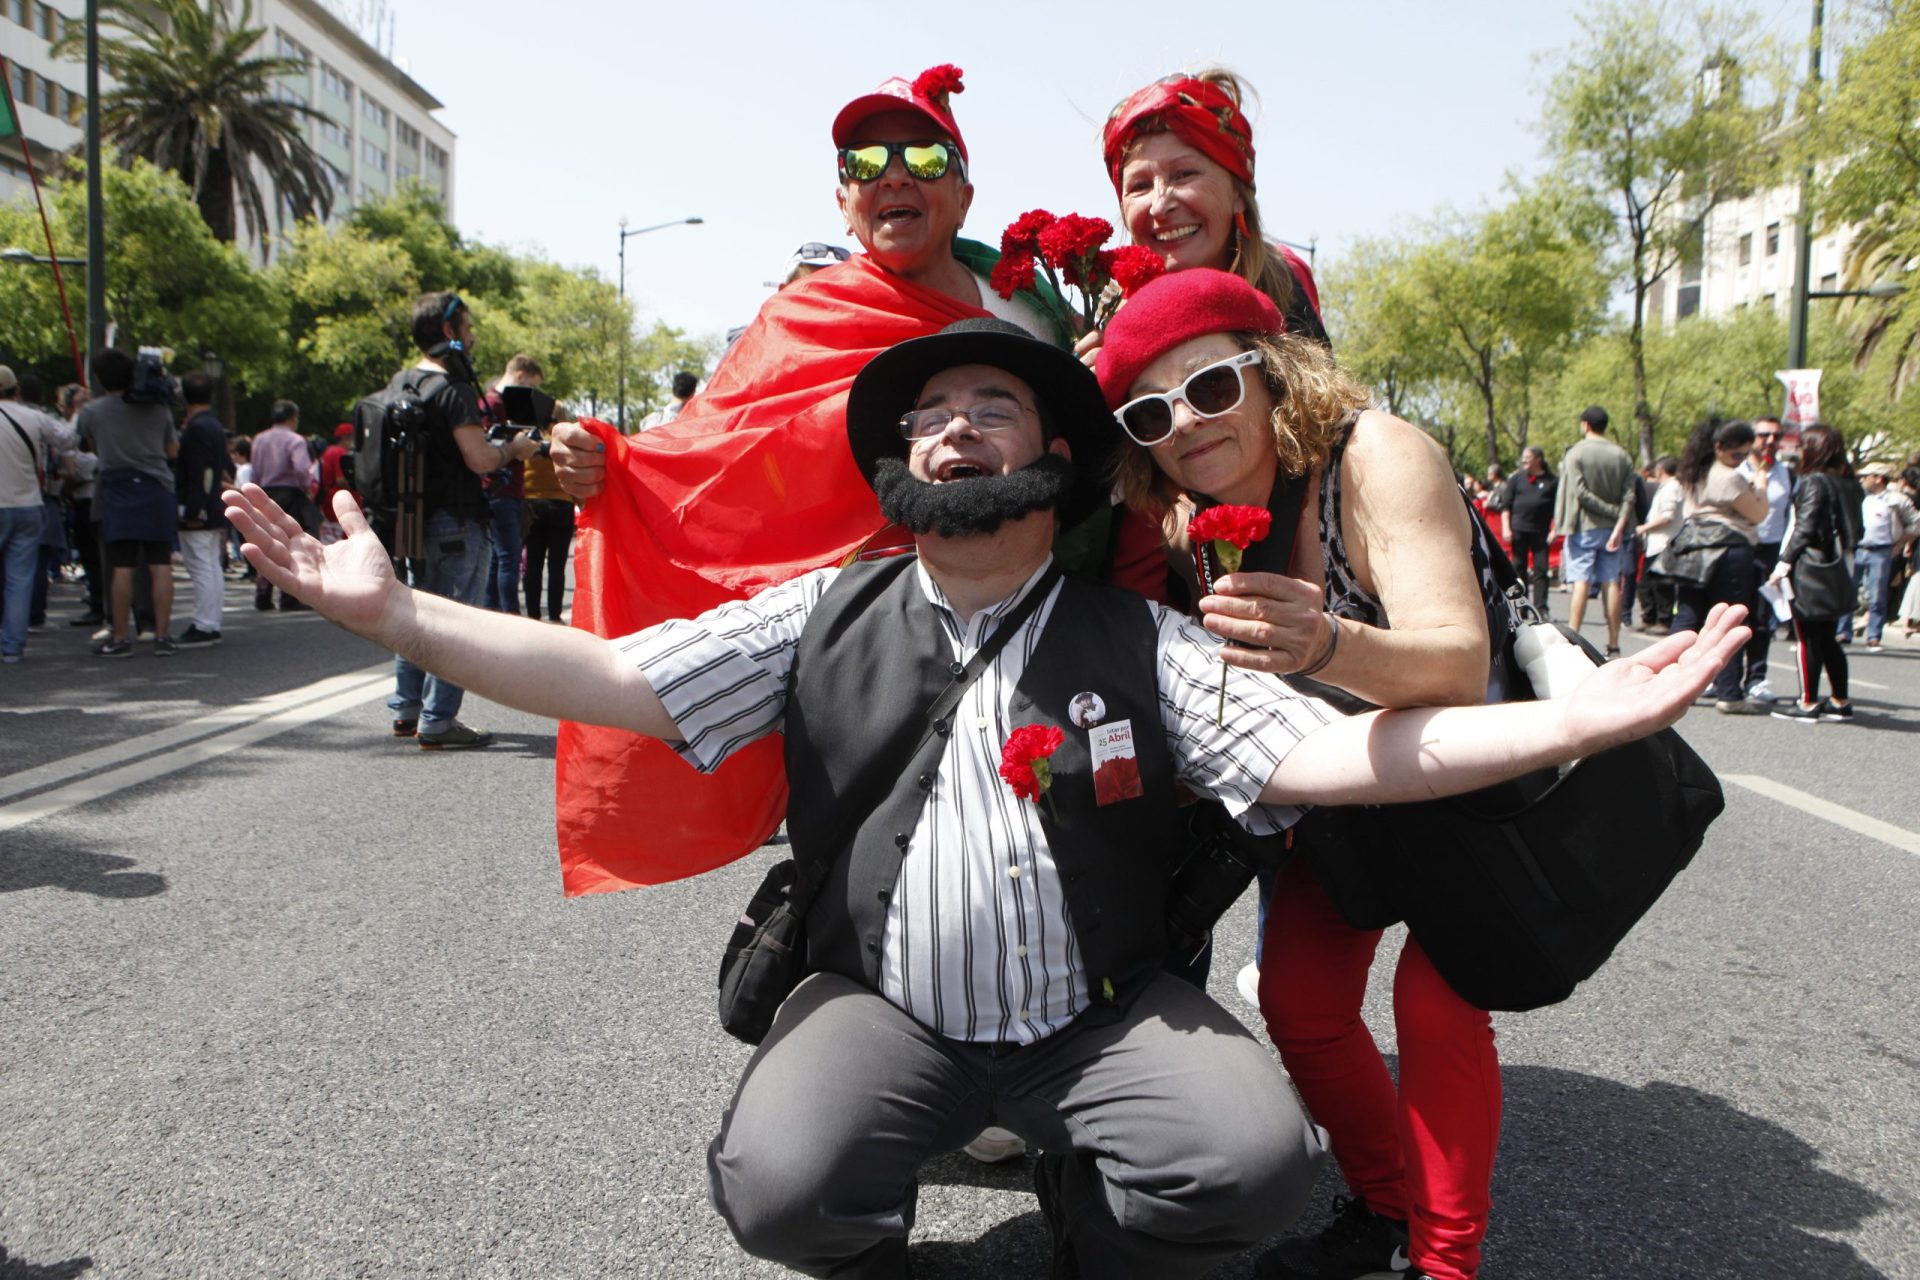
point(387, 467)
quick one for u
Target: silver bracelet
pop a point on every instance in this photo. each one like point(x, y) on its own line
point(1333, 646)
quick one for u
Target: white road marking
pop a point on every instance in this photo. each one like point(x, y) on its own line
point(277, 718)
point(106, 757)
point(1840, 815)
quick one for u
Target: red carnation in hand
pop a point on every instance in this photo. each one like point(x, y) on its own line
point(1073, 237)
point(935, 83)
point(1023, 761)
point(1134, 266)
point(1023, 233)
point(1012, 273)
point(1231, 530)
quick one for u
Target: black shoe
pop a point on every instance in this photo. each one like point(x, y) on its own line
point(263, 603)
point(194, 636)
point(113, 649)
point(1359, 1243)
point(164, 647)
point(289, 605)
point(1799, 713)
point(86, 620)
point(405, 728)
point(1833, 714)
point(455, 737)
point(1047, 1173)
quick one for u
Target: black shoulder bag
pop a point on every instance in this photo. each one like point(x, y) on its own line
point(766, 956)
point(1521, 891)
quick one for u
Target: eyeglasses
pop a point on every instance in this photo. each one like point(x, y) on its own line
point(924, 160)
point(1766, 435)
point(1209, 392)
point(924, 424)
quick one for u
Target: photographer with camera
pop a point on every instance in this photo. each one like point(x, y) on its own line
point(456, 552)
point(506, 488)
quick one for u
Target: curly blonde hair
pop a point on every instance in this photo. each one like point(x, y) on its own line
point(1253, 260)
point(1312, 398)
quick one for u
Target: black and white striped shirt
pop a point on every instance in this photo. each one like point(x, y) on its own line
point(978, 942)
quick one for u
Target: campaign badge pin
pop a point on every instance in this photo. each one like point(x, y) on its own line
point(1086, 710)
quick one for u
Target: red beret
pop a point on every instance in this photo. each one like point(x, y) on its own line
point(1171, 310)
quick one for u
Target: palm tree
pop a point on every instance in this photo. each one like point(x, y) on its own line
point(193, 98)
point(1885, 253)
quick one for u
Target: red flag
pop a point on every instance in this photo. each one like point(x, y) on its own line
point(751, 485)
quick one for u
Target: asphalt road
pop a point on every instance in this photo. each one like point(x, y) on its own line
point(289, 998)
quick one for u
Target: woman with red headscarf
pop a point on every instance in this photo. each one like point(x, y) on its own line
point(1180, 153)
point(1383, 594)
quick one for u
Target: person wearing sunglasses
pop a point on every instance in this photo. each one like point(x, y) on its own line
point(1384, 601)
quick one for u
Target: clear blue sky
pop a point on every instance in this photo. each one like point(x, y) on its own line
point(572, 113)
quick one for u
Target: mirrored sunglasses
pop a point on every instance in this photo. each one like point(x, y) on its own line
point(924, 160)
point(1209, 392)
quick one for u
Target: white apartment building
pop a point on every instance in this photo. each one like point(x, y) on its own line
point(379, 127)
point(1746, 258)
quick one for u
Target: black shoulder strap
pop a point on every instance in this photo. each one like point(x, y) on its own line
point(813, 874)
point(39, 472)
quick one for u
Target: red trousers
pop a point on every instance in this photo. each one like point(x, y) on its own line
point(1423, 1152)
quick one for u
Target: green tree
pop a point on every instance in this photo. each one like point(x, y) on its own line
point(169, 283)
point(1661, 112)
point(1869, 131)
point(349, 301)
point(195, 99)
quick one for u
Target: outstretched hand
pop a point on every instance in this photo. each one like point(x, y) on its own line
point(350, 581)
point(1630, 698)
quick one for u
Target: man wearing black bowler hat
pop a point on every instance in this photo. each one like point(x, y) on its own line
point(980, 955)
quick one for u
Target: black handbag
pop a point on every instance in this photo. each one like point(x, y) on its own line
point(1821, 577)
point(766, 955)
point(1696, 547)
point(1521, 891)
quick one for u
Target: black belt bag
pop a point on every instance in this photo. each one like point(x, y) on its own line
point(766, 956)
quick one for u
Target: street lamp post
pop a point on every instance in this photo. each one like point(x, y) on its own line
point(627, 337)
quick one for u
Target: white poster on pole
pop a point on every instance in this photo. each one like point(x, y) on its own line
point(1803, 398)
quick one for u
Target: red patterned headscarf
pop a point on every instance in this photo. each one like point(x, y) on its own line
point(1200, 113)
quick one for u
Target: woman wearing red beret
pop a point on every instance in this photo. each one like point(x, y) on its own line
point(1385, 602)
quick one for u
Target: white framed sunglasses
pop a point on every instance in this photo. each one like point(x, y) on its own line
point(1210, 391)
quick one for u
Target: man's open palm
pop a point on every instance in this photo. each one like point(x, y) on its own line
point(350, 581)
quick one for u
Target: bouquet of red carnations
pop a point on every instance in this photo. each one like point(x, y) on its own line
point(1070, 250)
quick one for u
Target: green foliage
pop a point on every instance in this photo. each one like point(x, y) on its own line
point(169, 282)
point(1869, 131)
point(195, 99)
point(1660, 111)
point(1467, 318)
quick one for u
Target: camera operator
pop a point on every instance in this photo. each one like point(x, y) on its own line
point(456, 551)
point(506, 488)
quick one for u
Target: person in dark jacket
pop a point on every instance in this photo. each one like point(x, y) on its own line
point(204, 469)
point(1826, 513)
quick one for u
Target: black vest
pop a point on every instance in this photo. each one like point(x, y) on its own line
point(872, 659)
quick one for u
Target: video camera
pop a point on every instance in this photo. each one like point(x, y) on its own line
point(152, 384)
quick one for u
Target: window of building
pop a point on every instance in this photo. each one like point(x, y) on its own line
point(436, 157)
point(408, 135)
point(19, 10)
point(368, 193)
point(1829, 282)
point(331, 130)
point(287, 47)
point(335, 83)
point(373, 111)
point(1767, 302)
point(1746, 249)
point(341, 183)
point(1773, 238)
point(372, 155)
point(49, 23)
point(48, 95)
point(287, 93)
point(1692, 266)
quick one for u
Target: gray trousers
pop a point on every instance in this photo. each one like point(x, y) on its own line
point(1187, 1144)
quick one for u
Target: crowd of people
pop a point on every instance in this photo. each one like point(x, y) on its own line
point(986, 973)
point(1743, 487)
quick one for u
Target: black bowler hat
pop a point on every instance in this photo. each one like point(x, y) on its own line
point(887, 388)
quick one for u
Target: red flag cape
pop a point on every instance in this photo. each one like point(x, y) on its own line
point(751, 485)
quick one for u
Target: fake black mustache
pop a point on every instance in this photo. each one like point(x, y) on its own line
point(979, 505)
